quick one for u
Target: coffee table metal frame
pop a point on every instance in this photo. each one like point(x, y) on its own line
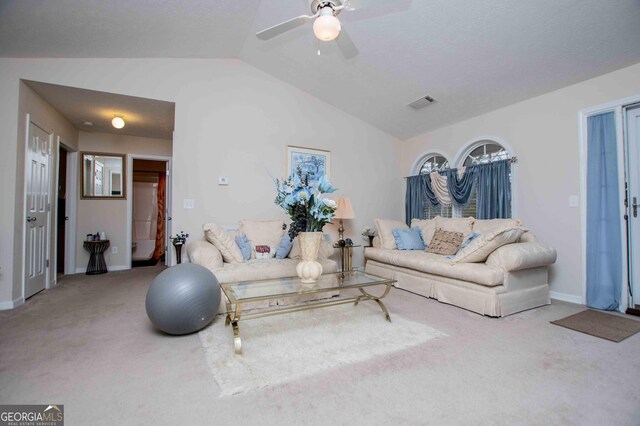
point(349, 280)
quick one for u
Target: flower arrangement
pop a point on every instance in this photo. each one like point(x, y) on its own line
point(368, 232)
point(305, 202)
point(179, 239)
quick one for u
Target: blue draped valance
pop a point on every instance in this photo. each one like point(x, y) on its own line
point(491, 182)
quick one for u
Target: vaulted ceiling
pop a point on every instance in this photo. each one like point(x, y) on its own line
point(471, 56)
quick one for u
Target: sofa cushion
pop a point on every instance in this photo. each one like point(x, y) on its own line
point(463, 225)
point(445, 242)
point(385, 232)
point(485, 225)
point(427, 228)
point(439, 265)
point(263, 269)
point(408, 239)
point(262, 233)
point(482, 246)
point(217, 236)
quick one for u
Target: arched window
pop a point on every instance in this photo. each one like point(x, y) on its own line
point(435, 163)
point(480, 152)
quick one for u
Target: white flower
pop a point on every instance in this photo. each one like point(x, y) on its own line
point(330, 203)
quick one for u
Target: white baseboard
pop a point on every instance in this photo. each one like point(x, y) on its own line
point(118, 268)
point(11, 304)
point(109, 268)
point(566, 297)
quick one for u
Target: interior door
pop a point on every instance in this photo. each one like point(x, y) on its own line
point(633, 146)
point(37, 206)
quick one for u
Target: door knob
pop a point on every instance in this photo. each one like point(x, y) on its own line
point(169, 218)
point(31, 219)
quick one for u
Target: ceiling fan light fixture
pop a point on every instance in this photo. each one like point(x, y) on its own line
point(117, 122)
point(326, 27)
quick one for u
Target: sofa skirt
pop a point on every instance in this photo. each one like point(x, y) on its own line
point(522, 290)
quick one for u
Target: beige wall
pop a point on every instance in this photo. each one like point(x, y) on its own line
point(544, 134)
point(111, 216)
point(25, 101)
point(231, 120)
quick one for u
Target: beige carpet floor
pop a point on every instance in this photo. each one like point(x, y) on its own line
point(88, 345)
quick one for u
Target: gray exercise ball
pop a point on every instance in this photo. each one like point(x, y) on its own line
point(183, 299)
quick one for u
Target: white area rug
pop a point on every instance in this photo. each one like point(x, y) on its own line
point(285, 348)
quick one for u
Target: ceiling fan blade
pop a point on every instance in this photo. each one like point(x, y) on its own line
point(346, 45)
point(283, 27)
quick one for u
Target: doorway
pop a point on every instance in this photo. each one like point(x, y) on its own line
point(632, 141)
point(149, 212)
point(61, 217)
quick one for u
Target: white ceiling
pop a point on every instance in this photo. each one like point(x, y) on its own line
point(471, 56)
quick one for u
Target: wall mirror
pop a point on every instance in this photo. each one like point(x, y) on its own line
point(103, 175)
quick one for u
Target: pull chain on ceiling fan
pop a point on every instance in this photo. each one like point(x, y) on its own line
point(326, 25)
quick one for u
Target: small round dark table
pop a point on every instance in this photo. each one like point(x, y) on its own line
point(96, 249)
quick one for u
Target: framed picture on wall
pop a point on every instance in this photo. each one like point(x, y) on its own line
point(316, 162)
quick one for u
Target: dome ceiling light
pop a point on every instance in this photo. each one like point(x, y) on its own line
point(118, 122)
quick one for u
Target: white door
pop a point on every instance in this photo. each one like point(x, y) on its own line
point(37, 189)
point(632, 132)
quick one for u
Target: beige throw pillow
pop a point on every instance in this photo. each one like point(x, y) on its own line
point(262, 233)
point(445, 242)
point(385, 232)
point(490, 225)
point(427, 228)
point(224, 242)
point(464, 225)
point(482, 246)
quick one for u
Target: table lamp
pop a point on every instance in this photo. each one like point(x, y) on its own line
point(343, 211)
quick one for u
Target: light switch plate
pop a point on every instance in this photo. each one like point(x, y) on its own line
point(188, 203)
point(223, 180)
point(573, 201)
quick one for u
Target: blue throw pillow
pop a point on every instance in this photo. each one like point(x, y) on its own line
point(472, 236)
point(284, 247)
point(245, 247)
point(408, 239)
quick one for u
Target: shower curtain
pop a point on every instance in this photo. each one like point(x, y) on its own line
point(160, 234)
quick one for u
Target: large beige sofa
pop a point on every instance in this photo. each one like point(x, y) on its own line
point(512, 278)
point(218, 252)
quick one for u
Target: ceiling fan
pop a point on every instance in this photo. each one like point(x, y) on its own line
point(326, 25)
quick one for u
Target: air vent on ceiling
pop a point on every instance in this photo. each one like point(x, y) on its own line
point(422, 102)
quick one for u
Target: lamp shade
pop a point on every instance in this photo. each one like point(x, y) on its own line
point(326, 26)
point(344, 210)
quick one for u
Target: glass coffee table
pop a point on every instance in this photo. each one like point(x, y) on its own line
point(239, 293)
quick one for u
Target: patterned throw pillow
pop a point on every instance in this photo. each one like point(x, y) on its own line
point(445, 242)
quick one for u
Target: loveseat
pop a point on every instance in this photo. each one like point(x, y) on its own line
point(502, 269)
point(219, 252)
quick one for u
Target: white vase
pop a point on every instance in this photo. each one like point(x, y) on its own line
point(309, 269)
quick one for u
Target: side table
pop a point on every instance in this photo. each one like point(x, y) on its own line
point(346, 253)
point(96, 250)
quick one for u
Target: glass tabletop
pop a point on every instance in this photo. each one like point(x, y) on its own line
point(249, 291)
